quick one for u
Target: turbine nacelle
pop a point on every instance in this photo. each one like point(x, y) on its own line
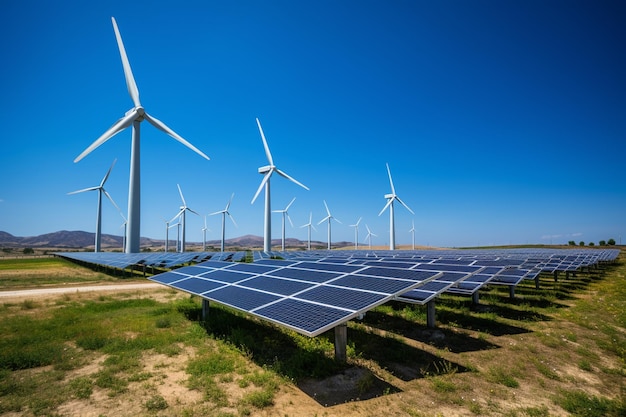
point(265, 169)
point(390, 196)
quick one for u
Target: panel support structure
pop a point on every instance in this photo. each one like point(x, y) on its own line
point(341, 342)
point(511, 291)
point(475, 298)
point(430, 314)
point(205, 309)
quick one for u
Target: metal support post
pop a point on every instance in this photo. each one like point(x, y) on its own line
point(205, 309)
point(430, 314)
point(341, 342)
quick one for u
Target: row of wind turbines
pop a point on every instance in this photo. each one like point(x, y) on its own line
point(135, 116)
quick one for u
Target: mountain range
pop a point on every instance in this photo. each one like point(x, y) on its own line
point(78, 239)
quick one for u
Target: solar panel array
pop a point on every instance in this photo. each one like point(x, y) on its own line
point(314, 291)
point(308, 297)
point(166, 260)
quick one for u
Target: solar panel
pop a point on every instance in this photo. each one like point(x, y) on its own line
point(309, 297)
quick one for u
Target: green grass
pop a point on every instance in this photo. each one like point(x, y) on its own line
point(41, 347)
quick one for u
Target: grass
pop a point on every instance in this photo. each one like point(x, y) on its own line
point(547, 342)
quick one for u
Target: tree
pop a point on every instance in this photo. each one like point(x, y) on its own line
point(571, 243)
point(591, 244)
point(611, 242)
point(28, 251)
point(602, 243)
point(581, 243)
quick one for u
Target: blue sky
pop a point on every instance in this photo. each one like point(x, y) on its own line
point(502, 122)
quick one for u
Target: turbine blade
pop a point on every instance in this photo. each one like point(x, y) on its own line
point(229, 201)
point(265, 179)
point(267, 148)
point(324, 219)
point(337, 220)
point(393, 190)
point(162, 127)
point(181, 195)
point(106, 177)
point(326, 205)
point(405, 206)
point(128, 73)
point(83, 190)
point(289, 205)
point(283, 174)
point(110, 199)
point(232, 218)
point(177, 216)
point(117, 127)
point(217, 212)
point(289, 218)
point(188, 209)
point(386, 205)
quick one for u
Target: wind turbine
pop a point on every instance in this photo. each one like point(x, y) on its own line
point(204, 229)
point(183, 210)
point(167, 233)
point(391, 197)
point(133, 117)
point(101, 190)
point(268, 170)
point(285, 213)
point(309, 225)
point(328, 218)
point(412, 231)
point(369, 236)
point(356, 233)
point(224, 213)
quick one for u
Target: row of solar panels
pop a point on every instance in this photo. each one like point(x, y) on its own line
point(165, 260)
point(314, 291)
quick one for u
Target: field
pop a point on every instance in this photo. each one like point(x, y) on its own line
point(556, 351)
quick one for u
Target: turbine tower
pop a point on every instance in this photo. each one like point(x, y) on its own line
point(124, 225)
point(368, 238)
point(391, 197)
point(224, 213)
point(412, 231)
point(101, 190)
point(267, 171)
point(183, 210)
point(309, 225)
point(356, 233)
point(133, 118)
point(328, 218)
point(285, 213)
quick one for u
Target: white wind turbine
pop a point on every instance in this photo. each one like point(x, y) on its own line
point(391, 197)
point(204, 229)
point(356, 233)
point(101, 190)
point(412, 231)
point(285, 214)
point(183, 210)
point(224, 213)
point(309, 225)
point(167, 234)
point(268, 170)
point(133, 117)
point(328, 218)
point(368, 238)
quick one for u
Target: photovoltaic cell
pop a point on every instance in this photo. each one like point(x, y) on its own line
point(340, 297)
point(242, 298)
point(276, 285)
point(303, 316)
point(305, 275)
point(197, 285)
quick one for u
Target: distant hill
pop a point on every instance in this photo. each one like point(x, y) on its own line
point(78, 239)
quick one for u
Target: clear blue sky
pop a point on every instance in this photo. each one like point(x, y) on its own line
point(503, 122)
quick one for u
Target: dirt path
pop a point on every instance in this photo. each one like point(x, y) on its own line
point(39, 292)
